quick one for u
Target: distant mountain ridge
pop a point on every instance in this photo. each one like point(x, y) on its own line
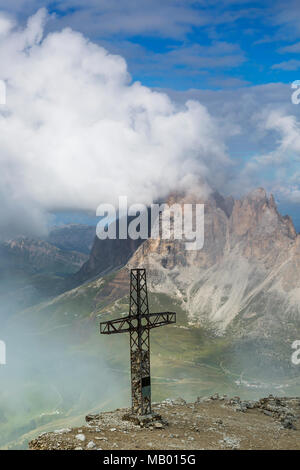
point(73, 237)
point(33, 269)
point(33, 255)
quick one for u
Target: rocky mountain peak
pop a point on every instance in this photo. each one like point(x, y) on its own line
point(250, 252)
point(248, 268)
point(256, 220)
point(257, 194)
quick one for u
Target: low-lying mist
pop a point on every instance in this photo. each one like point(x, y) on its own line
point(50, 378)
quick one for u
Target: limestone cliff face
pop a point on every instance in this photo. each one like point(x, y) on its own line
point(258, 229)
point(247, 272)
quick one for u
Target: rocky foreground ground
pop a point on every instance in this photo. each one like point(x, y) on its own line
point(215, 422)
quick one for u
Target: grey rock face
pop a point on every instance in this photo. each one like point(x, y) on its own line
point(248, 269)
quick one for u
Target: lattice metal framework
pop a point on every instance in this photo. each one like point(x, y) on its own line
point(138, 324)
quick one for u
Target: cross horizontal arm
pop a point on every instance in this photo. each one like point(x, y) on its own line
point(130, 323)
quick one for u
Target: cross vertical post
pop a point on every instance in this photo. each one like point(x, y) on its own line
point(139, 345)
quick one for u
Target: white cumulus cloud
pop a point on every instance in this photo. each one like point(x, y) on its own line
point(76, 131)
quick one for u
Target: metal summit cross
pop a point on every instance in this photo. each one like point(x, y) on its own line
point(138, 324)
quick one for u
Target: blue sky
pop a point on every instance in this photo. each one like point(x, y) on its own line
point(185, 44)
point(236, 57)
